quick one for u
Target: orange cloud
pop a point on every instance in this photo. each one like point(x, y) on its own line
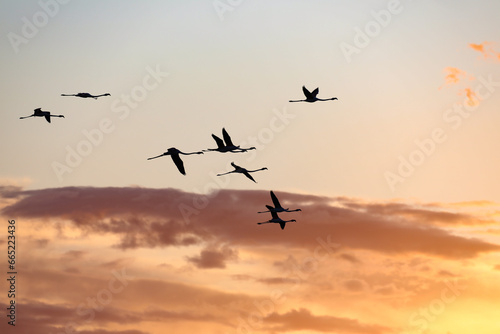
point(303, 319)
point(453, 75)
point(478, 47)
point(486, 50)
point(471, 97)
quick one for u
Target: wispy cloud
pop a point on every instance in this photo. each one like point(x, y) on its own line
point(486, 49)
point(143, 217)
point(303, 319)
point(454, 75)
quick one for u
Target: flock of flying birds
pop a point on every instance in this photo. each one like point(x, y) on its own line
point(223, 145)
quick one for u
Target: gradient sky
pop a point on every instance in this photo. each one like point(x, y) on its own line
point(396, 179)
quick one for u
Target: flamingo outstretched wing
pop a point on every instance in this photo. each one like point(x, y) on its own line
point(178, 162)
point(220, 143)
point(227, 138)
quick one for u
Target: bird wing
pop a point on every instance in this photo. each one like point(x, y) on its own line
point(282, 225)
point(47, 117)
point(315, 92)
point(178, 162)
point(247, 174)
point(275, 200)
point(235, 166)
point(220, 143)
point(227, 138)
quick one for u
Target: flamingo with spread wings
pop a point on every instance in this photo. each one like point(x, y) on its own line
point(312, 96)
point(227, 145)
point(40, 113)
point(175, 155)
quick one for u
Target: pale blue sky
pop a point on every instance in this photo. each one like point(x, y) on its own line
point(236, 73)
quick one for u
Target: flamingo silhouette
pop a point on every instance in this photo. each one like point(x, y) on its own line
point(277, 206)
point(40, 113)
point(174, 154)
point(244, 171)
point(275, 219)
point(228, 146)
point(85, 95)
point(311, 96)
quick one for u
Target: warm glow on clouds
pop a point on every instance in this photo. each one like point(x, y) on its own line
point(486, 50)
point(472, 99)
point(85, 263)
point(454, 75)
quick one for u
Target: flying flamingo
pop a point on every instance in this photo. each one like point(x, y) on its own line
point(277, 206)
point(174, 154)
point(244, 171)
point(311, 96)
point(276, 219)
point(84, 95)
point(228, 146)
point(39, 113)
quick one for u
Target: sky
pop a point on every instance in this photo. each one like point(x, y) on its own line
point(396, 179)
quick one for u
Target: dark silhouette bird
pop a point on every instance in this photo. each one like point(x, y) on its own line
point(228, 146)
point(174, 154)
point(244, 171)
point(40, 113)
point(277, 206)
point(275, 219)
point(311, 96)
point(85, 95)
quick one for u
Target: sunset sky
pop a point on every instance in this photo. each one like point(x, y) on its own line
point(397, 179)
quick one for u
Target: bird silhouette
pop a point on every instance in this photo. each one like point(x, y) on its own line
point(244, 171)
point(85, 95)
point(275, 219)
point(40, 113)
point(277, 206)
point(311, 96)
point(174, 154)
point(228, 146)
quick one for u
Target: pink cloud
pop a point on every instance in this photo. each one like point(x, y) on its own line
point(152, 218)
point(213, 258)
